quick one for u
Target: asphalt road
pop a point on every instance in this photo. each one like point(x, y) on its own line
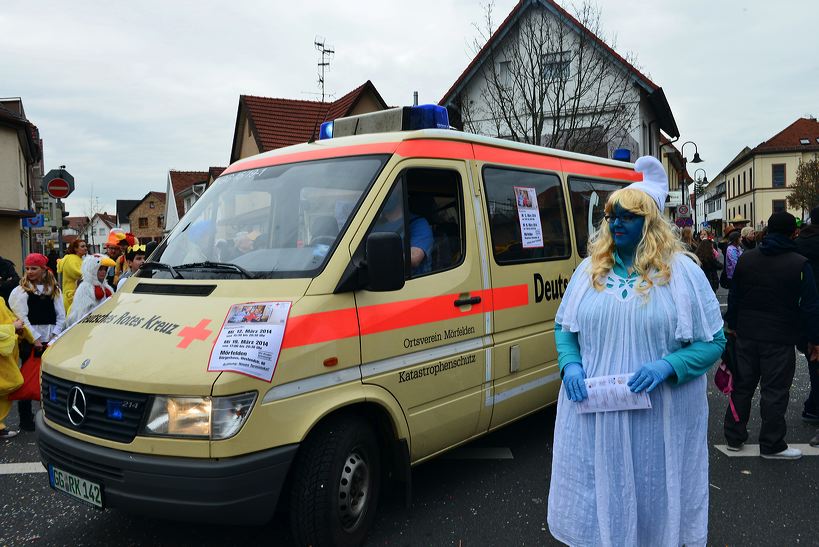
point(491, 492)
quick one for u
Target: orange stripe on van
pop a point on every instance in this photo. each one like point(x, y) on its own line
point(428, 148)
point(601, 171)
point(516, 157)
point(314, 328)
point(325, 326)
point(317, 154)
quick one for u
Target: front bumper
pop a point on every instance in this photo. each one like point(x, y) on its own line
point(240, 490)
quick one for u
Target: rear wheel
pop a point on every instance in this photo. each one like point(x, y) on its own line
point(336, 483)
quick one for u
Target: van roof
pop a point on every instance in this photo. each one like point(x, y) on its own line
point(387, 143)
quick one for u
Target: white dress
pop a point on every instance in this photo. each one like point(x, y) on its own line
point(634, 477)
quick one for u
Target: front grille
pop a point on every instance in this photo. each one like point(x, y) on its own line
point(96, 422)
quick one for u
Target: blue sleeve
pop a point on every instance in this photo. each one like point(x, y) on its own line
point(695, 359)
point(809, 304)
point(568, 349)
point(421, 235)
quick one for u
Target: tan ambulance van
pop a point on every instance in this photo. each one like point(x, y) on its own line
point(325, 317)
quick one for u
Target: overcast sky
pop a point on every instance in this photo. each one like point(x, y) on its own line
point(122, 92)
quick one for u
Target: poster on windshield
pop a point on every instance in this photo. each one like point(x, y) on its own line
point(251, 339)
point(531, 233)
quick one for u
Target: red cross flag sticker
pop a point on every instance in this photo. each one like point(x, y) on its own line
point(189, 334)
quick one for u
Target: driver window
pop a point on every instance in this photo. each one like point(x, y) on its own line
point(427, 205)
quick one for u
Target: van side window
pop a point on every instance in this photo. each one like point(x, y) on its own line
point(588, 198)
point(426, 204)
point(527, 215)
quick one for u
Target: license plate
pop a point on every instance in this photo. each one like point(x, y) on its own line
point(74, 486)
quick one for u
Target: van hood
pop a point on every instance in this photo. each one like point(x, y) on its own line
point(158, 340)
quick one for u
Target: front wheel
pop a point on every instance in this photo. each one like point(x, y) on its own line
point(336, 483)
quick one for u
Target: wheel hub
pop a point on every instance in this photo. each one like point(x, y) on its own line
point(353, 490)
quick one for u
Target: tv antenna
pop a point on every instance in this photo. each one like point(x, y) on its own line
point(327, 53)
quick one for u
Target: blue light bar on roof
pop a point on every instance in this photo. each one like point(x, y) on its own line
point(326, 131)
point(406, 118)
point(428, 116)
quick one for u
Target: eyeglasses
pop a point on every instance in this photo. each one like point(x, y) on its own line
point(625, 218)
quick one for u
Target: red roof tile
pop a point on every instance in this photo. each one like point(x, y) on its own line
point(284, 122)
point(182, 180)
point(214, 172)
point(789, 139)
point(77, 223)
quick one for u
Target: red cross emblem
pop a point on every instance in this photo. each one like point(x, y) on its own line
point(189, 334)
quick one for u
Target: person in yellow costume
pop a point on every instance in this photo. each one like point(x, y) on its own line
point(70, 266)
point(11, 329)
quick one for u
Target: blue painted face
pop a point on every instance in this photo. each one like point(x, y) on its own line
point(626, 229)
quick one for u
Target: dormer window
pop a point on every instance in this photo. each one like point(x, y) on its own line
point(805, 141)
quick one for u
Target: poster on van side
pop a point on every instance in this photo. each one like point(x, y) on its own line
point(251, 339)
point(531, 232)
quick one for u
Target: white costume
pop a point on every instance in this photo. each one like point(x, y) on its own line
point(640, 477)
point(18, 302)
point(85, 299)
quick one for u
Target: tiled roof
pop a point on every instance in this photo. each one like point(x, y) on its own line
point(669, 126)
point(214, 172)
point(283, 122)
point(77, 223)
point(790, 138)
point(182, 180)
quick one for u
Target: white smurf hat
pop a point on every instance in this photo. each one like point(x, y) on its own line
point(655, 181)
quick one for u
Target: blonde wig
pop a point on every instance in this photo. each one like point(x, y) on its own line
point(657, 247)
point(49, 283)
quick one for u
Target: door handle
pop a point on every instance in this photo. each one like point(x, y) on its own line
point(467, 301)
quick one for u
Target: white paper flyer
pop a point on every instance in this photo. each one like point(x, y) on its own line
point(531, 232)
point(610, 393)
point(251, 339)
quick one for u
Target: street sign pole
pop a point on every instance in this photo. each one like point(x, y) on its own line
point(60, 230)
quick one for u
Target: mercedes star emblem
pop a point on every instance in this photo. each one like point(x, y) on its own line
point(85, 363)
point(76, 406)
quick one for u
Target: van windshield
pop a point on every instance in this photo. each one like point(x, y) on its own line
point(279, 221)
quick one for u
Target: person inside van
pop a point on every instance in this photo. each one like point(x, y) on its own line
point(134, 258)
point(420, 232)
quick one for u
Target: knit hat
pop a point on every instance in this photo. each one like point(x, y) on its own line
point(782, 223)
point(655, 181)
point(36, 259)
point(733, 237)
point(746, 231)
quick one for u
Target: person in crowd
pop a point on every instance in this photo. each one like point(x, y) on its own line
point(129, 240)
point(807, 245)
point(747, 239)
point(94, 288)
point(37, 302)
point(8, 278)
point(12, 331)
point(114, 251)
point(134, 258)
point(640, 308)
point(705, 234)
point(687, 237)
point(70, 266)
point(773, 288)
point(52, 260)
point(732, 253)
point(709, 262)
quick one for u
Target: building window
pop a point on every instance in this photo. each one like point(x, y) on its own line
point(804, 141)
point(143, 222)
point(505, 73)
point(745, 211)
point(160, 221)
point(778, 175)
point(101, 231)
point(751, 176)
point(150, 204)
point(779, 206)
point(556, 65)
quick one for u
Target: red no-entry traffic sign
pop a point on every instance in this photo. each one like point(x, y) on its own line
point(58, 188)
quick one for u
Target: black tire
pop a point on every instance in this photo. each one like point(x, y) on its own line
point(336, 483)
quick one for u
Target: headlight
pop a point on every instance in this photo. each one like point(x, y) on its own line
point(198, 417)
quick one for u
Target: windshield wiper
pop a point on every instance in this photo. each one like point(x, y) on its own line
point(161, 266)
point(208, 265)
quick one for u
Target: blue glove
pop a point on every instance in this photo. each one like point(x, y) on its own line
point(650, 375)
point(573, 381)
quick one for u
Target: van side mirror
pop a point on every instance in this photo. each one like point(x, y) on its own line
point(385, 262)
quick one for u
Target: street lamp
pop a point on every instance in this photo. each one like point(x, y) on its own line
point(698, 187)
point(696, 159)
